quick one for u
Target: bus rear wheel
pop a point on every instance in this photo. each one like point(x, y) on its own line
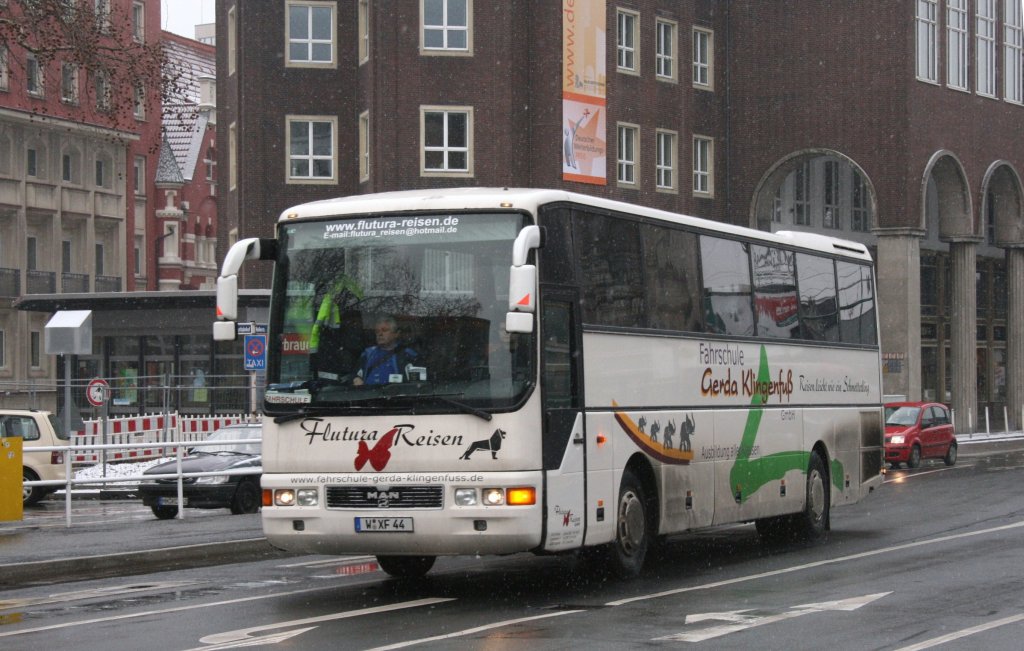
point(632, 528)
point(406, 567)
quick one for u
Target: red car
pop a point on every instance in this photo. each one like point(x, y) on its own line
point(918, 430)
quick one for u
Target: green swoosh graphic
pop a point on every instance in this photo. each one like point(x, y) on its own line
point(748, 476)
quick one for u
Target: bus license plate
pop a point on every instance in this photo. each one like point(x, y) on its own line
point(401, 525)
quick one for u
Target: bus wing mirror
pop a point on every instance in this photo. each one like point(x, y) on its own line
point(227, 284)
point(522, 288)
point(519, 322)
point(528, 238)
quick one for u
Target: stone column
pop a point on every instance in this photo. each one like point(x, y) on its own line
point(899, 310)
point(964, 320)
point(1015, 335)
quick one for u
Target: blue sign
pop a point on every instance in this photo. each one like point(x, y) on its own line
point(255, 352)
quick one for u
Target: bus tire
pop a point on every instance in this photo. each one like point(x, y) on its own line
point(406, 567)
point(812, 523)
point(632, 528)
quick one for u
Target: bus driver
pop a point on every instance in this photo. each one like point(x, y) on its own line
point(385, 362)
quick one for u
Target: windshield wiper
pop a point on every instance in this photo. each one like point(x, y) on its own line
point(466, 409)
point(445, 398)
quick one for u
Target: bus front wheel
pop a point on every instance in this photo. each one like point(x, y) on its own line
point(406, 567)
point(632, 528)
point(813, 522)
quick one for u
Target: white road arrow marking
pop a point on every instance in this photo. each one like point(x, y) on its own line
point(265, 640)
point(244, 637)
point(739, 620)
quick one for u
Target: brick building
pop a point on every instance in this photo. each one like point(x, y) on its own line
point(896, 124)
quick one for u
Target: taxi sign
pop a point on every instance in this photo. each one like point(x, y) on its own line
point(255, 352)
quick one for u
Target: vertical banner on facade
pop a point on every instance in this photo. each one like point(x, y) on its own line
point(584, 116)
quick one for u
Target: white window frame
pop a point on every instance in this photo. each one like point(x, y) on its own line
point(102, 13)
point(309, 156)
point(68, 83)
point(627, 153)
point(232, 40)
point(627, 41)
point(139, 255)
point(101, 88)
point(703, 58)
point(446, 148)
point(985, 48)
point(957, 42)
point(1013, 51)
point(5, 68)
point(926, 19)
point(233, 155)
point(139, 173)
point(859, 221)
point(830, 188)
point(364, 31)
point(446, 30)
point(364, 146)
point(802, 194)
point(703, 166)
point(139, 102)
point(665, 50)
point(308, 41)
point(34, 77)
point(666, 177)
point(138, 22)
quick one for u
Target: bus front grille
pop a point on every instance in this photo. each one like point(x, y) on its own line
point(392, 497)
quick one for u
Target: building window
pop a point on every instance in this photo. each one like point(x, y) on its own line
point(69, 167)
point(31, 253)
point(33, 76)
point(830, 214)
point(364, 31)
point(447, 137)
point(311, 33)
point(139, 181)
point(34, 355)
point(232, 156)
point(859, 201)
point(65, 256)
point(986, 48)
point(1013, 52)
point(665, 50)
point(666, 160)
point(102, 12)
point(140, 241)
point(139, 103)
point(232, 40)
point(802, 195)
point(31, 162)
point(927, 48)
point(139, 22)
point(703, 58)
point(69, 83)
point(628, 39)
point(956, 50)
point(364, 146)
point(99, 259)
point(311, 150)
point(777, 206)
point(101, 173)
point(628, 145)
point(703, 166)
point(5, 74)
point(3, 349)
point(101, 87)
point(446, 25)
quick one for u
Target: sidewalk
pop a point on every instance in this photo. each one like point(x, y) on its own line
point(36, 552)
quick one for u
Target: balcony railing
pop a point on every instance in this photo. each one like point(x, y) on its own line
point(74, 283)
point(108, 283)
point(40, 282)
point(10, 282)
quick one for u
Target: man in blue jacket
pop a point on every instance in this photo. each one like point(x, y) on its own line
point(385, 362)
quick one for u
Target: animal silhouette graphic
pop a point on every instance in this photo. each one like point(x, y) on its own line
point(688, 428)
point(379, 454)
point(493, 444)
point(641, 424)
point(670, 431)
point(655, 428)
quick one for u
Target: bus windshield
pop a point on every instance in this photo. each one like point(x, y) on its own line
point(403, 312)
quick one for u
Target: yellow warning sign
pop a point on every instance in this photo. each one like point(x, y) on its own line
point(10, 478)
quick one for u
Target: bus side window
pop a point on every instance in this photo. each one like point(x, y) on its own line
point(559, 370)
point(725, 266)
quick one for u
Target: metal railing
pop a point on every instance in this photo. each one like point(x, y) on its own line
point(108, 283)
point(40, 282)
point(72, 283)
point(179, 449)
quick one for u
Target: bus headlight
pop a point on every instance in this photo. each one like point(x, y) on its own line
point(465, 497)
point(307, 497)
point(494, 496)
point(284, 497)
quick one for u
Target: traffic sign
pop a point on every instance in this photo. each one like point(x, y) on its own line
point(243, 328)
point(255, 352)
point(96, 391)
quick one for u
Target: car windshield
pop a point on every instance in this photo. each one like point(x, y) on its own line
point(396, 312)
point(233, 434)
point(902, 416)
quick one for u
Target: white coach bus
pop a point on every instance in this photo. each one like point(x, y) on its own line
point(488, 371)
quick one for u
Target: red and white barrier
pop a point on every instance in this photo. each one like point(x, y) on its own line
point(145, 429)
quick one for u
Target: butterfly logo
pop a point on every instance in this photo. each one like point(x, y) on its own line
point(379, 454)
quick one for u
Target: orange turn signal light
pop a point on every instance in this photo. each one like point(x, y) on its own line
point(268, 497)
point(521, 496)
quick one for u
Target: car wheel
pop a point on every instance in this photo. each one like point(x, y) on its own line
point(914, 460)
point(632, 528)
point(31, 494)
point(164, 512)
point(812, 523)
point(406, 567)
point(951, 453)
point(246, 499)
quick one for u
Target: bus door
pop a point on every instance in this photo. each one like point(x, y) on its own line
point(564, 438)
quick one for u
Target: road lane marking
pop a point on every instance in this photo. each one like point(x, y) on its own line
point(740, 620)
point(471, 631)
point(244, 635)
point(807, 566)
point(980, 628)
point(331, 561)
point(105, 592)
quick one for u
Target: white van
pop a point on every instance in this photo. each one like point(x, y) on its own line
point(36, 429)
